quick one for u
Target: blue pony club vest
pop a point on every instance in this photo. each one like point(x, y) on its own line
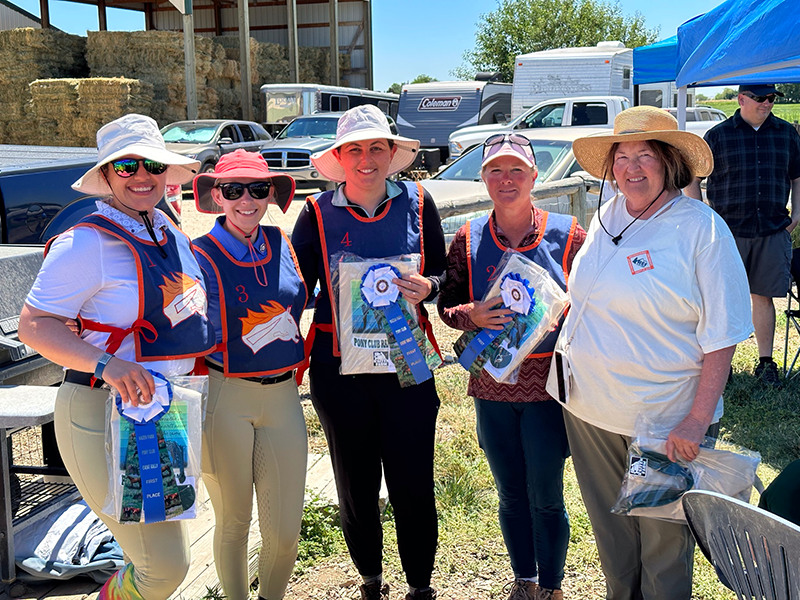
point(548, 251)
point(260, 325)
point(397, 230)
point(172, 321)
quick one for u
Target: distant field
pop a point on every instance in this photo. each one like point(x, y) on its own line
point(789, 112)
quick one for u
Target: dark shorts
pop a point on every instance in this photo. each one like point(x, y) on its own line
point(767, 261)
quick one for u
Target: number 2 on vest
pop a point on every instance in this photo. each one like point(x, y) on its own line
point(492, 271)
point(346, 240)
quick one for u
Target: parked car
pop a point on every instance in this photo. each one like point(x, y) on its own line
point(700, 113)
point(552, 148)
point(290, 152)
point(208, 139)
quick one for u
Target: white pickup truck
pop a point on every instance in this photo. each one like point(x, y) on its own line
point(594, 111)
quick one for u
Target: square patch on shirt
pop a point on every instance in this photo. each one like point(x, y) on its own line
point(640, 262)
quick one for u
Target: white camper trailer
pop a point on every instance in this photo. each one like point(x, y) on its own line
point(602, 70)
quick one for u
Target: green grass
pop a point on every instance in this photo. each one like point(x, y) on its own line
point(788, 112)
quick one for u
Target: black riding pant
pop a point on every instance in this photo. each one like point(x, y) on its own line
point(369, 421)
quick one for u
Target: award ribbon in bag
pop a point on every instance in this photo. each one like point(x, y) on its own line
point(381, 295)
point(518, 296)
point(147, 460)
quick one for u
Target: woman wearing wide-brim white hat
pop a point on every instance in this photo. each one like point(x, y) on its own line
point(130, 275)
point(369, 419)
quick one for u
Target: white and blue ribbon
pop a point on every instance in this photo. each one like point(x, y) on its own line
point(144, 418)
point(517, 294)
point(380, 293)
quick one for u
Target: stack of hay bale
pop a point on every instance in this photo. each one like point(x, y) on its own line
point(27, 54)
point(157, 57)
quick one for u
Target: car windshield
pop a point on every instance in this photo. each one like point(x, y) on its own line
point(189, 133)
point(313, 127)
point(548, 153)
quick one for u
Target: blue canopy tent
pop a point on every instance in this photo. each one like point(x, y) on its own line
point(740, 41)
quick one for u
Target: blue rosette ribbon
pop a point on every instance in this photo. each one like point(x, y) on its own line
point(379, 293)
point(144, 419)
point(518, 295)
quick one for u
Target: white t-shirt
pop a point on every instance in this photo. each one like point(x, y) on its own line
point(644, 313)
point(92, 274)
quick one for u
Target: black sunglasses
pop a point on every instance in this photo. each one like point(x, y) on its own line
point(770, 98)
point(127, 167)
point(233, 191)
point(513, 138)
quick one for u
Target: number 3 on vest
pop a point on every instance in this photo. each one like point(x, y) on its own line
point(243, 297)
point(346, 240)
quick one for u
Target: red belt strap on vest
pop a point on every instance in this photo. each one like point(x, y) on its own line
point(308, 344)
point(117, 334)
point(427, 327)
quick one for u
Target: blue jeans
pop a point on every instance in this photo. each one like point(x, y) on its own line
point(526, 445)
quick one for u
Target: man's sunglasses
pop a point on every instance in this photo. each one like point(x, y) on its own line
point(127, 167)
point(233, 191)
point(770, 98)
point(513, 138)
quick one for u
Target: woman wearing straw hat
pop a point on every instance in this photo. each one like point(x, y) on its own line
point(659, 301)
point(369, 420)
point(111, 270)
point(254, 431)
point(520, 427)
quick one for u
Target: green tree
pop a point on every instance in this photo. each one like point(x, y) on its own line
point(395, 88)
point(791, 92)
point(424, 79)
point(521, 26)
point(727, 94)
point(700, 97)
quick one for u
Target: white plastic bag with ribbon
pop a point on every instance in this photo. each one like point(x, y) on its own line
point(378, 329)
point(537, 303)
point(153, 452)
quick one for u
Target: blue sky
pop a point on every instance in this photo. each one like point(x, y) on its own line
point(409, 37)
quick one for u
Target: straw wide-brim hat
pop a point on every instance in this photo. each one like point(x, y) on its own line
point(642, 123)
point(361, 123)
point(241, 164)
point(133, 135)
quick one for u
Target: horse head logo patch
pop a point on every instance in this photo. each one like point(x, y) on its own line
point(274, 323)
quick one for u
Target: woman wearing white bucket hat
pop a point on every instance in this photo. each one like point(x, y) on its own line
point(122, 270)
point(659, 301)
point(369, 420)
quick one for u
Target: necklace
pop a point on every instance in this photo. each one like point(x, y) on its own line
point(618, 237)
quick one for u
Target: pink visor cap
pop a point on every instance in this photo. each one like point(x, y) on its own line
point(508, 144)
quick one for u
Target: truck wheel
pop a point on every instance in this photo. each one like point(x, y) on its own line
point(207, 167)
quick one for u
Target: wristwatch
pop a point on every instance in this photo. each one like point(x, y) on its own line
point(101, 365)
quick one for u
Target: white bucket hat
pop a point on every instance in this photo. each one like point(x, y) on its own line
point(361, 123)
point(133, 135)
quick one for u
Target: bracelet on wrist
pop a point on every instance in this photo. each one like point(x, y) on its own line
point(101, 365)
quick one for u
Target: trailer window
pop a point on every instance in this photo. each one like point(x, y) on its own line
point(340, 103)
point(384, 106)
point(626, 78)
point(651, 98)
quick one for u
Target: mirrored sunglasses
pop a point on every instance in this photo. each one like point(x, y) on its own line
point(233, 191)
point(127, 167)
point(770, 98)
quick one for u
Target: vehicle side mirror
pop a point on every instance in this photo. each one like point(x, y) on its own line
point(499, 117)
point(224, 141)
point(393, 129)
point(522, 125)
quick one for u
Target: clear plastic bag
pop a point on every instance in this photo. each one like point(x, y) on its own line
point(366, 340)
point(653, 486)
point(538, 304)
point(135, 489)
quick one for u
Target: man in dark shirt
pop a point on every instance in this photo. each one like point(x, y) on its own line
point(756, 164)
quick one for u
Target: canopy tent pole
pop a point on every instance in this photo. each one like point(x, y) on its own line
point(682, 94)
point(244, 60)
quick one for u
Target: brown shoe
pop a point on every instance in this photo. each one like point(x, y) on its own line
point(545, 594)
point(428, 594)
point(521, 589)
point(374, 591)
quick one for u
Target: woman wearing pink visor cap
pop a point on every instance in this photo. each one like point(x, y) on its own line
point(254, 433)
point(520, 427)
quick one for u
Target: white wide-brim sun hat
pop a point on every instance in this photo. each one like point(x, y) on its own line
point(133, 135)
point(361, 123)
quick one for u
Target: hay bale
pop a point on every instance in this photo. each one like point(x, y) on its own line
point(54, 108)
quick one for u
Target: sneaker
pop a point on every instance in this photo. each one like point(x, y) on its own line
point(426, 594)
point(767, 372)
point(545, 594)
point(374, 591)
point(521, 589)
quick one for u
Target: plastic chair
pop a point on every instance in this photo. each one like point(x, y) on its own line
point(755, 553)
point(792, 316)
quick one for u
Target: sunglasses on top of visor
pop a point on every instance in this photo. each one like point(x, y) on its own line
point(127, 167)
point(233, 191)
